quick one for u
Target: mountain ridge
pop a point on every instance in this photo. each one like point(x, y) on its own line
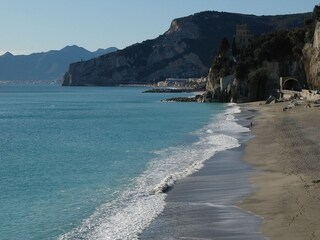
point(50, 65)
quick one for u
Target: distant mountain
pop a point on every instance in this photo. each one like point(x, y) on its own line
point(50, 65)
point(186, 50)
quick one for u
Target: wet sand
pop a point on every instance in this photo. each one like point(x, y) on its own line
point(286, 156)
point(203, 205)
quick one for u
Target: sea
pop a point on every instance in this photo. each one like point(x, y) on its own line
point(97, 162)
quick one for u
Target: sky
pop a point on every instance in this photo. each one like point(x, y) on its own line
point(29, 26)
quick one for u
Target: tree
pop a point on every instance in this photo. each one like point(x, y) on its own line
point(234, 48)
point(224, 46)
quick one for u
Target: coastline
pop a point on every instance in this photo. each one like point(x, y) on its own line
point(286, 156)
point(204, 204)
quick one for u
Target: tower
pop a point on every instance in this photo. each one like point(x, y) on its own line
point(242, 36)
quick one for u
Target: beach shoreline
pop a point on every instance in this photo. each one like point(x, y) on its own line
point(204, 204)
point(285, 154)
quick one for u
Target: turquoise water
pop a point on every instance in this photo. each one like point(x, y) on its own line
point(90, 163)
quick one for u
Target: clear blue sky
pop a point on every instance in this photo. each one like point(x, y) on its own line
point(41, 25)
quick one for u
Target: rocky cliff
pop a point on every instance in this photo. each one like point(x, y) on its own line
point(311, 51)
point(259, 66)
point(185, 50)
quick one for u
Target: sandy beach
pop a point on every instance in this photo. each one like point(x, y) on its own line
point(286, 156)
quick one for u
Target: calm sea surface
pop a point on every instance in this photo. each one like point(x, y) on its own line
point(91, 163)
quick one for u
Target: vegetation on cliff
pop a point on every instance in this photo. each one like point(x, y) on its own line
point(223, 63)
point(277, 46)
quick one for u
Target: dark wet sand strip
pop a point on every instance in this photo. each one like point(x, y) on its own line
point(203, 205)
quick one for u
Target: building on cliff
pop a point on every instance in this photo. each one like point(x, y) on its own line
point(243, 36)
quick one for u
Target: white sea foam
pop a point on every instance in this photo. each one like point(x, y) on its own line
point(144, 200)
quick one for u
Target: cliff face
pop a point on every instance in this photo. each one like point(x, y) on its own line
point(258, 67)
point(311, 53)
point(185, 50)
point(264, 81)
